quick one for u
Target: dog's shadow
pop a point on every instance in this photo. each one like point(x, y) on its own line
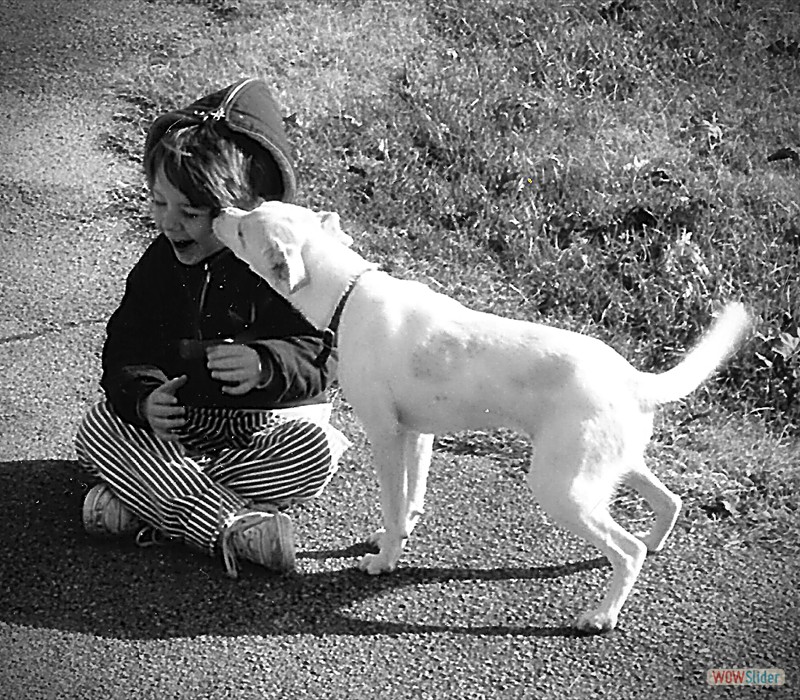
point(54, 576)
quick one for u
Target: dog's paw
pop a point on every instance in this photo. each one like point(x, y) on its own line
point(375, 564)
point(653, 545)
point(376, 538)
point(596, 622)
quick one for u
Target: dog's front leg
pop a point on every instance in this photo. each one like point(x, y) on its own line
point(402, 460)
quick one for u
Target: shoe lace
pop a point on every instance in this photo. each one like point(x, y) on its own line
point(150, 537)
point(235, 525)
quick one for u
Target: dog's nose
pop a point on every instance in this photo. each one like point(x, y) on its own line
point(218, 225)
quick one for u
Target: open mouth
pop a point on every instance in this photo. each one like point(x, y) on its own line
point(182, 245)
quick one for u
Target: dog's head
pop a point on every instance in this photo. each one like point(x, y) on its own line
point(270, 239)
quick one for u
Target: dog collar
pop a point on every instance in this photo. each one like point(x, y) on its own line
point(329, 334)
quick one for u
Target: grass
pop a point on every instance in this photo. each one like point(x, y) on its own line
point(603, 166)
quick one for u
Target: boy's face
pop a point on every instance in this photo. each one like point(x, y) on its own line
point(187, 228)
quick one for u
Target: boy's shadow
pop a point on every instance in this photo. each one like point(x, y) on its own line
point(55, 576)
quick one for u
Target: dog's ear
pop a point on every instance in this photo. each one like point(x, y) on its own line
point(329, 221)
point(286, 267)
point(269, 247)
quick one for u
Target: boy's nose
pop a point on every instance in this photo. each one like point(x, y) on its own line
point(171, 221)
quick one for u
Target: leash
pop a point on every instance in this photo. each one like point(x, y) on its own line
point(329, 334)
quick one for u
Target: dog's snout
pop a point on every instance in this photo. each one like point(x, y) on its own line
point(225, 217)
point(218, 226)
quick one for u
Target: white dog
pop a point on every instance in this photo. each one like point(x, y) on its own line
point(413, 363)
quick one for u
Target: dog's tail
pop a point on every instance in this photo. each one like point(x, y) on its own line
point(719, 342)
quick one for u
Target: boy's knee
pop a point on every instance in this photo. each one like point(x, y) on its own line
point(314, 431)
point(98, 420)
point(299, 429)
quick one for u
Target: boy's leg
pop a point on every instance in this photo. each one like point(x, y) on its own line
point(272, 460)
point(284, 462)
point(156, 479)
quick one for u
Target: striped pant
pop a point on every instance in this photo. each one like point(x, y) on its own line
point(225, 459)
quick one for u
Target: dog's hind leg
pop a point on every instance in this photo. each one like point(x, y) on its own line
point(580, 504)
point(626, 554)
point(665, 504)
point(402, 461)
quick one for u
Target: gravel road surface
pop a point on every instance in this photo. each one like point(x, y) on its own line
point(482, 604)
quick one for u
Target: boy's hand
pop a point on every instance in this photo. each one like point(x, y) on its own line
point(162, 411)
point(238, 366)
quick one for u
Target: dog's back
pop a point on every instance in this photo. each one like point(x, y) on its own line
point(447, 367)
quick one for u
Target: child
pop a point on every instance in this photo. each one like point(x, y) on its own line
point(216, 417)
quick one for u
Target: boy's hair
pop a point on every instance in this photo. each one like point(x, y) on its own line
point(214, 167)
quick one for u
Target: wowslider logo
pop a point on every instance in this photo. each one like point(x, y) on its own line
point(746, 676)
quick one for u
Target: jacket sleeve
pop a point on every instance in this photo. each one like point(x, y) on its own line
point(130, 371)
point(291, 368)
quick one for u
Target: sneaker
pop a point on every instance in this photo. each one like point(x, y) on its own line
point(264, 537)
point(105, 514)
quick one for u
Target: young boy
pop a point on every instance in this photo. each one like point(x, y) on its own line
point(216, 416)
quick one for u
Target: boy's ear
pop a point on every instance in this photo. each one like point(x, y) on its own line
point(329, 221)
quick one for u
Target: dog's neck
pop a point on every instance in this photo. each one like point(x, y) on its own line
point(331, 268)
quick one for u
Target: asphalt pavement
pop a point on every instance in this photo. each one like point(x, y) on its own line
point(482, 604)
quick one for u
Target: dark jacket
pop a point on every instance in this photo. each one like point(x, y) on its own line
point(171, 312)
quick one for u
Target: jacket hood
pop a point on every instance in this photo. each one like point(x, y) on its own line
point(246, 107)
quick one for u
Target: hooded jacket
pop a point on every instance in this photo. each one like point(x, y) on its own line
point(246, 107)
point(171, 312)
